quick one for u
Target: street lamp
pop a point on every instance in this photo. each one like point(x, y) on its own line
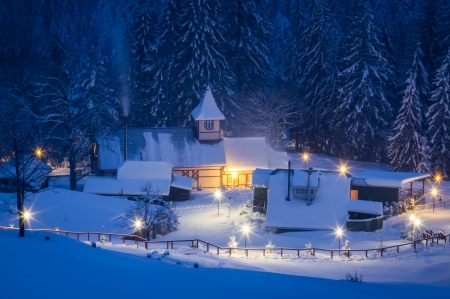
point(343, 169)
point(338, 233)
point(434, 192)
point(138, 225)
point(245, 230)
point(38, 153)
point(305, 158)
point(218, 196)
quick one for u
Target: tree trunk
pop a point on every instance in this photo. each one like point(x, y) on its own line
point(73, 174)
point(20, 211)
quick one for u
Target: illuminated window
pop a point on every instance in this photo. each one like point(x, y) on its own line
point(209, 125)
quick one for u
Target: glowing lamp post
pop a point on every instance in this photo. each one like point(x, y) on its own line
point(434, 192)
point(305, 158)
point(343, 169)
point(137, 225)
point(338, 233)
point(38, 153)
point(218, 196)
point(245, 230)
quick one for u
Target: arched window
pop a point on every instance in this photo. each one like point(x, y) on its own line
point(209, 124)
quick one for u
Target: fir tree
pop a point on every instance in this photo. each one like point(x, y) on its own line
point(144, 49)
point(247, 34)
point(363, 113)
point(316, 61)
point(200, 61)
point(408, 148)
point(438, 117)
point(163, 102)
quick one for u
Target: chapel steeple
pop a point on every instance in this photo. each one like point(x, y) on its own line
point(207, 118)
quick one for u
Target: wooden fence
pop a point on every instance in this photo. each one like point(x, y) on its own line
point(195, 243)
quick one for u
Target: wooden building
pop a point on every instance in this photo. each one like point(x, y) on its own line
point(199, 152)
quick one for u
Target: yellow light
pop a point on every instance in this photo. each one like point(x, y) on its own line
point(26, 215)
point(417, 222)
point(438, 178)
point(343, 169)
point(218, 194)
point(138, 223)
point(245, 229)
point(234, 175)
point(434, 191)
point(412, 217)
point(339, 232)
point(305, 156)
point(38, 152)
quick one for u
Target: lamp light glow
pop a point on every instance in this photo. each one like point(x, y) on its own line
point(343, 169)
point(234, 175)
point(138, 223)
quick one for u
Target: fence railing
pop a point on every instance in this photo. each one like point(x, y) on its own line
point(210, 247)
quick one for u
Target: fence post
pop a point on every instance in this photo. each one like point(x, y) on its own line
point(217, 250)
point(314, 252)
point(264, 252)
point(246, 252)
point(298, 253)
point(207, 247)
point(426, 242)
point(414, 245)
point(98, 235)
point(89, 237)
point(366, 253)
point(331, 254)
point(167, 245)
point(398, 248)
point(146, 245)
point(123, 239)
point(110, 238)
point(381, 250)
point(171, 245)
point(78, 237)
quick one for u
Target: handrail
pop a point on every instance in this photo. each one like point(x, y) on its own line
point(195, 243)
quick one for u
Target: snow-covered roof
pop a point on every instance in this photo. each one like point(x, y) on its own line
point(385, 178)
point(207, 109)
point(261, 178)
point(300, 178)
point(34, 171)
point(366, 207)
point(246, 153)
point(176, 146)
point(146, 170)
point(277, 159)
point(132, 176)
point(182, 182)
point(327, 211)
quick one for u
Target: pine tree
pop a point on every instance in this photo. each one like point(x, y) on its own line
point(363, 113)
point(316, 61)
point(163, 102)
point(200, 61)
point(408, 148)
point(428, 25)
point(438, 117)
point(144, 49)
point(247, 34)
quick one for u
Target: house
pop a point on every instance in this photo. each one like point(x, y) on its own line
point(328, 207)
point(200, 152)
point(132, 176)
point(385, 186)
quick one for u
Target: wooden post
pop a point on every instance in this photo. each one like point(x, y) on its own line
point(298, 253)
point(123, 239)
point(246, 252)
point(171, 245)
point(282, 252)
point(264, 252)
point(331, 254)
point(314, 252)
point(89, 237)
point(217, 250)
point(426, 242)
point(110, 238)
point(410, 190)
point(366, 253)
point(167, 245)
point(381, 250)
point(78, 237)
point(398, 249)
point(146, 245)
point(207, 247)
point(98, 237)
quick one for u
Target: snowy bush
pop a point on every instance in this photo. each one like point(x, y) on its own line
point(232, 244)
point(354, 278)
point(269, 247)
point(309, 247)
point(381, 248)
point(346, 247)
point(149, 209)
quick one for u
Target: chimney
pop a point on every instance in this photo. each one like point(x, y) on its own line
point(289, 181)
point(308, 200)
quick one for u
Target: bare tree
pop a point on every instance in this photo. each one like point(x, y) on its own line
point(149, 209)
point(270, 113)
point(22, 161)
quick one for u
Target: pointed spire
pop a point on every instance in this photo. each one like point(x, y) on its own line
point(207, 109)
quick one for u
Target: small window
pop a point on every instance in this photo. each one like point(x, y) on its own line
point(301, 191)
point(209, 125)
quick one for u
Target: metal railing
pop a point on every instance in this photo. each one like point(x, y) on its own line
point(210, 247)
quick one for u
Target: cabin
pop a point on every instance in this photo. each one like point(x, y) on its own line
point(329, 206)
point(132, 176)
point(385, 186)
point(200, 152)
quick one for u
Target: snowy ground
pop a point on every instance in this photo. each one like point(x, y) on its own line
point(414, 273)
